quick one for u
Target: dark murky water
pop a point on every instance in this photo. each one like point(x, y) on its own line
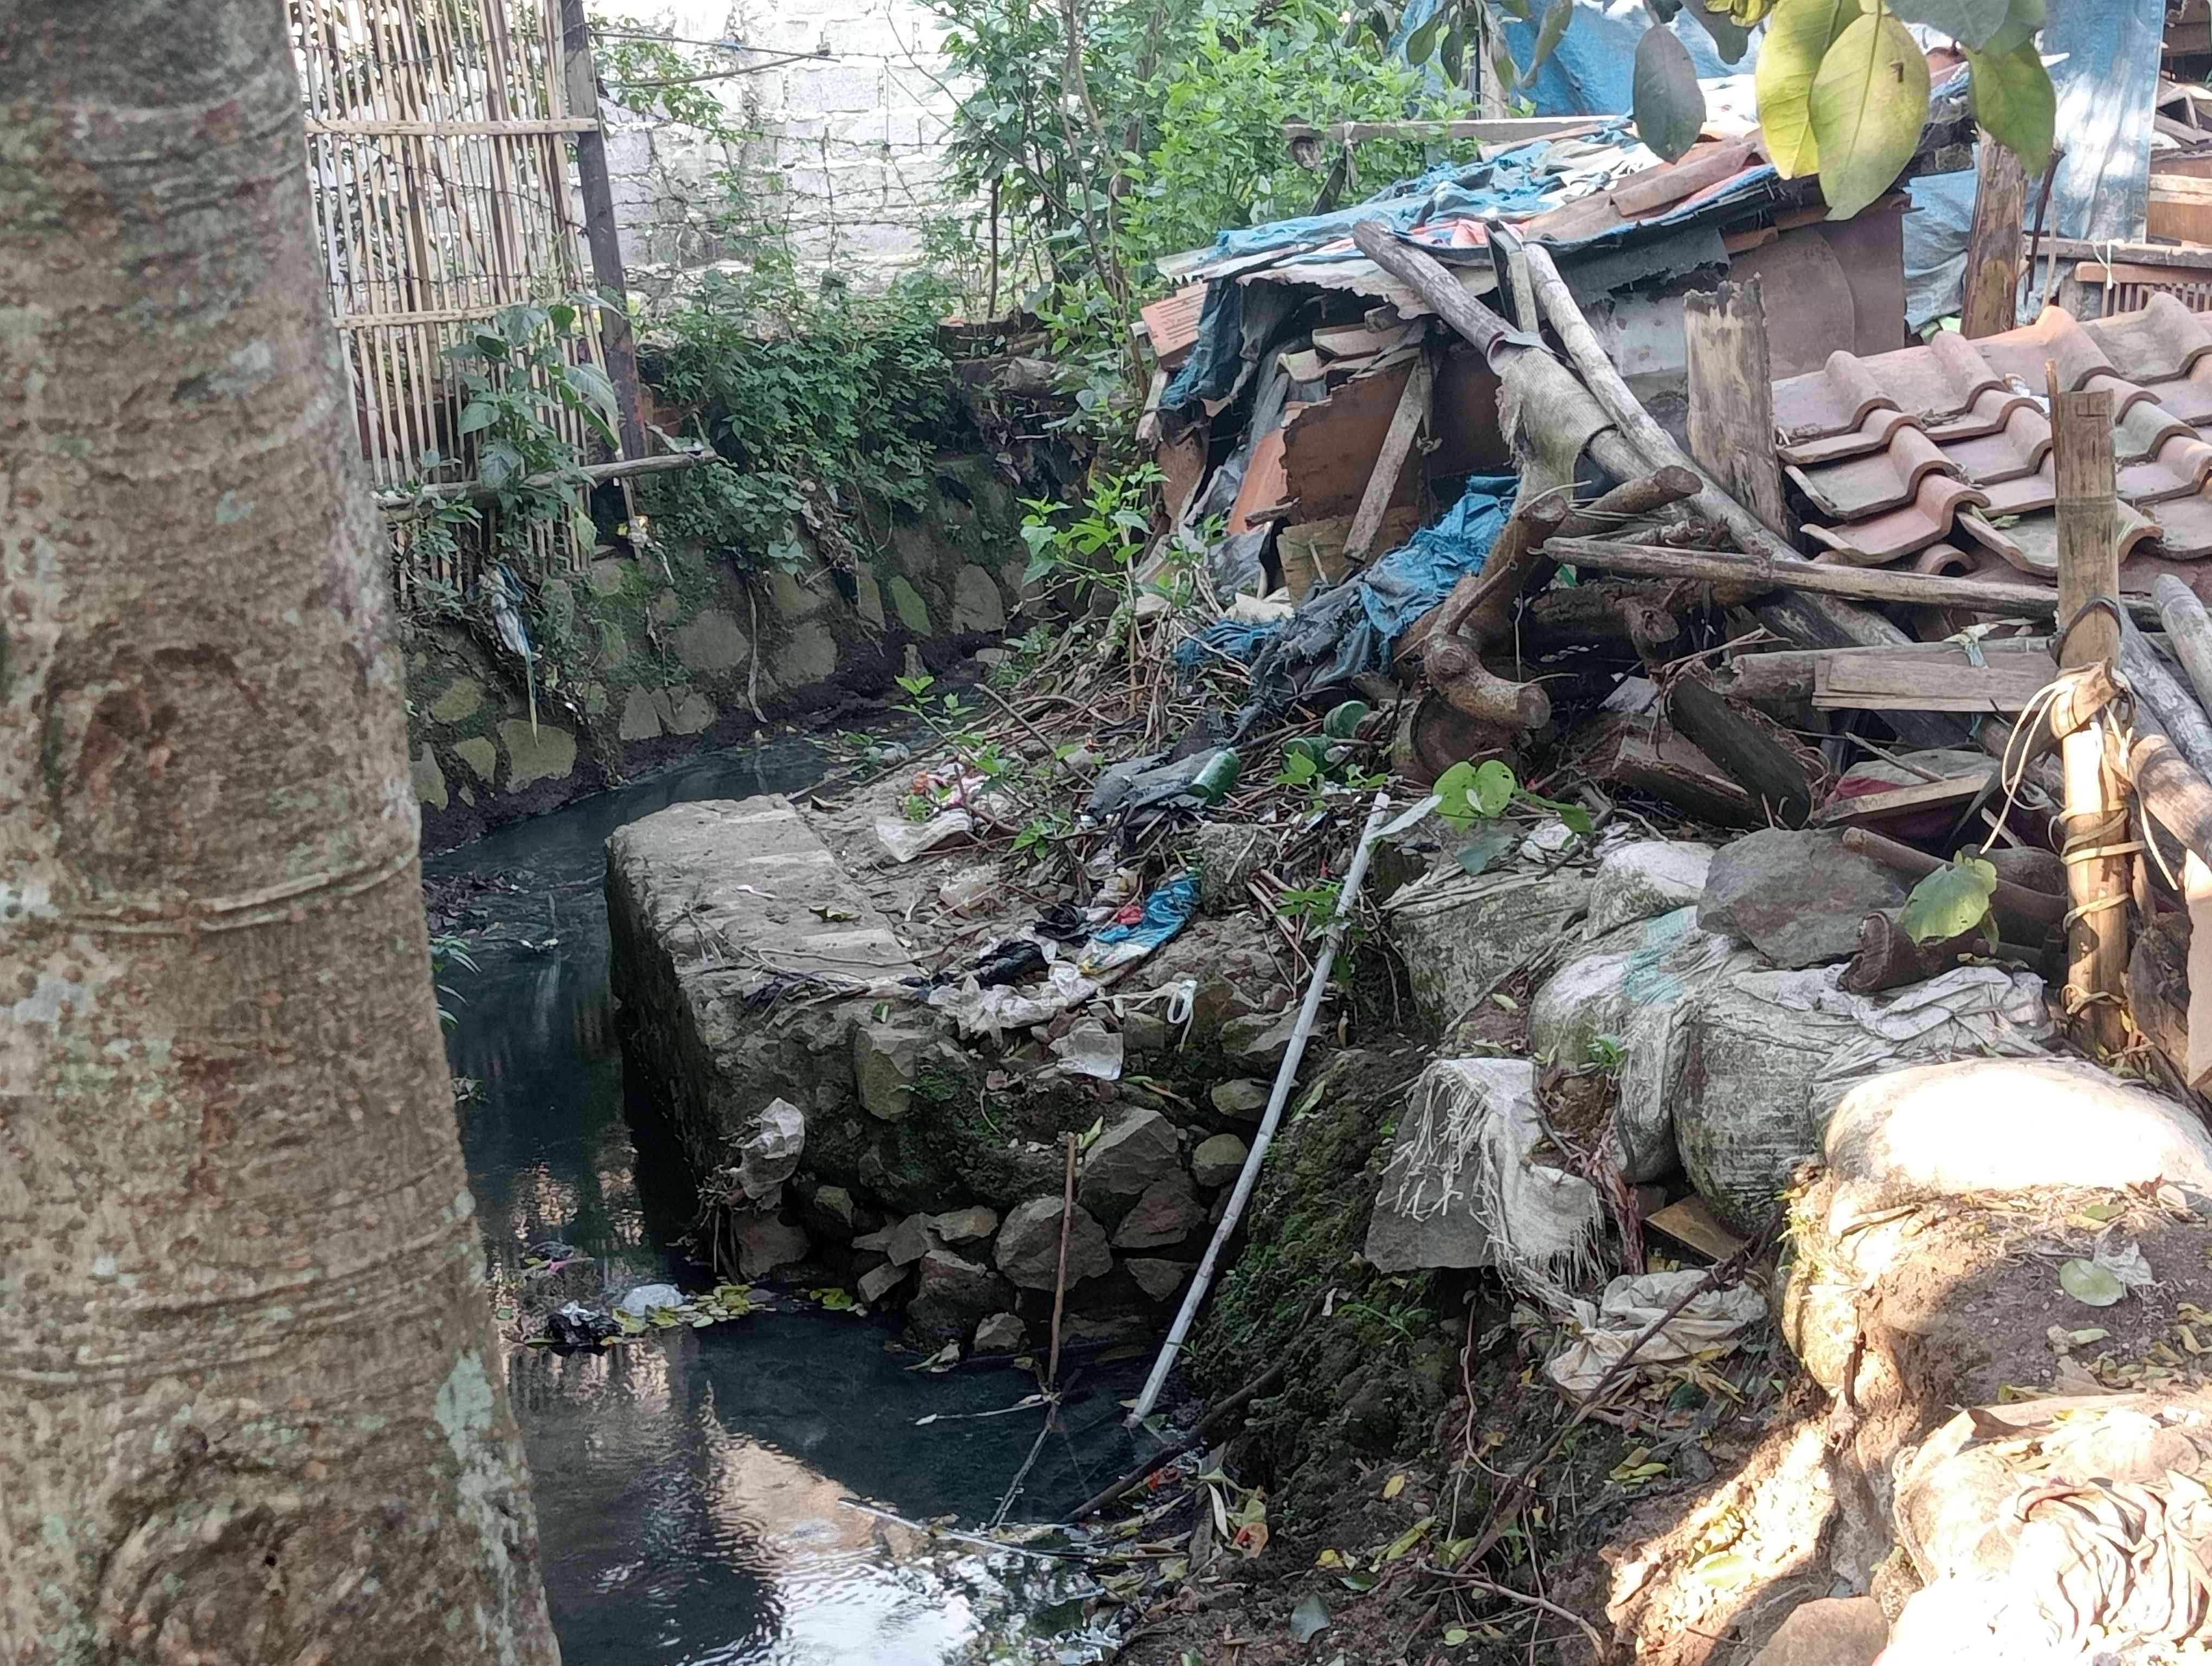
point(691, 1486)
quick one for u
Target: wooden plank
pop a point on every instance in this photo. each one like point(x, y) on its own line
point(2096, 808)
point(1922, 795)
point(1313, 550)
point(1691, 1223)
point(1993, 249)
point(1732, 399)
point(1770, 771)
point(2196, 892)
point(1877, 682)
point(601, 233)
point(1406, 425)
point(1647, 192)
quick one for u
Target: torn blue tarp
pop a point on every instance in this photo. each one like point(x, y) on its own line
point(2107, 88)
point(1354, 627)
point(1166, 912)
point(1236, 640)
point(1936, 246)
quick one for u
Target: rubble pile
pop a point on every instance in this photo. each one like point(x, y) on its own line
point(1780, 923)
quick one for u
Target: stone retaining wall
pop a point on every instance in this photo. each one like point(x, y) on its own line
point(645, 662)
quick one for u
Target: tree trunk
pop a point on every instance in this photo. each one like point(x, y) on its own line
point(251, 1406)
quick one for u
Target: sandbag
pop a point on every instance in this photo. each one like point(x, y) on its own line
point(1462, 935)
point(1767, 1054)
point(1643, 879)
point(1464, 1187)
point(1625, 1002)
point(1710, 1323)
point(2003, 1125)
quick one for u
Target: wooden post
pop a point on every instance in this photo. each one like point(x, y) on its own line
point(2096, 807)
point(1993, 244)
point(1732, 399)
point(1406, 425)
point(615, 338)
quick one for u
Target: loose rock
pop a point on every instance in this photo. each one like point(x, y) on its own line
point(951, 1294)
point(1829, 1631)
point(1028, 1245)
point(1219, 1161)
point(965, 1225)
point(765, 1242)
point(1257, 1040)
point(1796, 897)
point(885, 1058)
point(909, 1241)
point(879, 1282)
point(1243, 1099)
point(1136, 1150)
point(1157, 1279)
point(1001, 1333)
point(1168, 1212)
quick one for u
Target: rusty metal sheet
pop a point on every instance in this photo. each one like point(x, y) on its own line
point(1330, 448)
point(1171, 324)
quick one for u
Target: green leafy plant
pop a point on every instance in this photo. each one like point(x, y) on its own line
point(447, 952)
point(1470, 793)
point(1949, 901)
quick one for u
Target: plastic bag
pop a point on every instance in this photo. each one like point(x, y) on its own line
point(576, 1326)
point(646, 1298)
point(1711, 1320)
point(904, 841)
point(1165, 912)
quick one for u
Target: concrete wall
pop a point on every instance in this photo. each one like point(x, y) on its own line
point(846, 152)
point(643, 665)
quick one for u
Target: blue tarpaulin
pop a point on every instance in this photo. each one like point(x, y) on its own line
point(1346, 628)
point(1591, 72)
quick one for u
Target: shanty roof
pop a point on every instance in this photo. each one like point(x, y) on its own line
point(1941, 453)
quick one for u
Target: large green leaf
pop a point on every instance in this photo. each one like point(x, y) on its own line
point(1949, 901)
point(2022, 19)
point(1556, 16)
point(1798, 36)
point(2014, 100)
point(1670, 107)
point(1870, 102)
point(1731, 38)
point(1969, 22)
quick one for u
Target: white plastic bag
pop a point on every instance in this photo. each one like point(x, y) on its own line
point(1632, 1303)
point(903, 841)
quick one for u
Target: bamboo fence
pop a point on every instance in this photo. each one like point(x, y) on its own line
point(437, 136)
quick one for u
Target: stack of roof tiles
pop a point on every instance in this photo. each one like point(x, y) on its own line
point(1940, 454)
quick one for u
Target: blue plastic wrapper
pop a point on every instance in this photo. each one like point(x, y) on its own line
point(1167, 911)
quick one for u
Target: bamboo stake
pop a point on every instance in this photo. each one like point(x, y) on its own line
point(1285, 1077)
point(1059, 1278)
point(2096, 809)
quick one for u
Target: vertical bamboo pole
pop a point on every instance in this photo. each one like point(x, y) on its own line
point(600, 232)
point(2096, 806)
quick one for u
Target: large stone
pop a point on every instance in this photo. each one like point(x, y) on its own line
point(886, 1057)
point(692, 713)
point(428, 780)
point(765, 1242)
point(908, 1241)
point(1168, 1212)
point(641, 714)
point(1241, 1100)
point(770, 1156)
point(479, 754)
point(808, 655)
point(1258, 1041)
point(965, 1225)
point(1828, 1630)
point(1028, 1245)
point(549, 754)
point(607, 573)
point(711, 642)
point(879, 1282)
point(1138, 1147)
point(1001, 1333)
point(831, 1213)
point(790, 596)
point(867, 597)
point(913, 612)
point(459, 699)
point(1219, 1161)
point(1796, 897)
point(1157, 1279)
point(950, 1294)
point(976, 604)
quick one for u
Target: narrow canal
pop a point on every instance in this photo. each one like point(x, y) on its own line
point(696, 1490)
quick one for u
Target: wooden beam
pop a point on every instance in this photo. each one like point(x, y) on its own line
point(1406, 425)
point(1755, 574)
point(600, 232)
point(2096, 807)
point(1993, 243)
point(1902, 801)
point(407, 506)
point(1732, 398)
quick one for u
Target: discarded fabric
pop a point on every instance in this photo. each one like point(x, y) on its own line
point(645, 1298)
point(905, 841)
point(576, 1326)
point(1710, 1320)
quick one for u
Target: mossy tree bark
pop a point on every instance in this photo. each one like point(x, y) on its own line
point(250, 1406)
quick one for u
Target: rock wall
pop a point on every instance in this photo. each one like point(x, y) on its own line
point(645, 661)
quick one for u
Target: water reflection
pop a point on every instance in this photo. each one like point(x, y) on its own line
point(689, 1486)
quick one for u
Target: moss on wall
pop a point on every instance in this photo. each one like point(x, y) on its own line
point(1370, 1377)
point(645, 661)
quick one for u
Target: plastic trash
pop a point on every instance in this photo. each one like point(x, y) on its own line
point(904, 841)
point(1165, 912)
point(1154, 781)
point(1709, 1322)
point(1091, 1049)
point(1218, 779)
point(1015, 960)
point(969, 888)
point(646, 1298)
point(576, 1326)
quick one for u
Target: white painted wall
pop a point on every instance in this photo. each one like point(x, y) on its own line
point(855, 142)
